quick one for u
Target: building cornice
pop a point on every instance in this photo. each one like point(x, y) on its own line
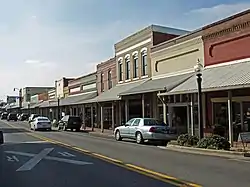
point(229, 30)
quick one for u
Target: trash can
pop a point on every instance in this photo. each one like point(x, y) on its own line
point(1, 137)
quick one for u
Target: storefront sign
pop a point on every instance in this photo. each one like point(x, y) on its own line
point(244, 137)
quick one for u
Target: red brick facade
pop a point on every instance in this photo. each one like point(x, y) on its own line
point(104, 68)
point(227, 40)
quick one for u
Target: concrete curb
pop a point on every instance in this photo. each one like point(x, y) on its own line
point(109, 136)
point(208, 152)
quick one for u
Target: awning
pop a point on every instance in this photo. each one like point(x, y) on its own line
point(154, 85)
point(77, 99)
point(48, 103)
point(227, 77)
point(113, 93)
point(36, 105)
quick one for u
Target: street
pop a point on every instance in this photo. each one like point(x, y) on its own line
point(81, 168)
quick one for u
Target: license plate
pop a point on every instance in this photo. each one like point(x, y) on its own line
point(74, 123)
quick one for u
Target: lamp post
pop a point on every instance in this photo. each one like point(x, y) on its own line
point(58, 109)
point(198, 70)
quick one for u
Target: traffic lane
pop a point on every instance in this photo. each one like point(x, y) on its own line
point(53, 170)
point(15, 134)
point(196, 168)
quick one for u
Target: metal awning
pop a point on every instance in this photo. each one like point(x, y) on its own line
point(77, 99)
point(227, 77)
point(113, 93)
point(161, 84)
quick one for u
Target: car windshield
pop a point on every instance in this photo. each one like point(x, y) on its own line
point(153, 122)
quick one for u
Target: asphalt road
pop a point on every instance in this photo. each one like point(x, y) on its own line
point(199, 169)
point(27, 161)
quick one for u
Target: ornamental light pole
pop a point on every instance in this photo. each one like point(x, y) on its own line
point(198, 70)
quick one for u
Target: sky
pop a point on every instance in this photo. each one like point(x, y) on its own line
point(44, 40)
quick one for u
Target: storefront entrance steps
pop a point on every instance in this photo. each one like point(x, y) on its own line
point(234, 153)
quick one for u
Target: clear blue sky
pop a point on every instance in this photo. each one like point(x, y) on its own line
point(43, 40)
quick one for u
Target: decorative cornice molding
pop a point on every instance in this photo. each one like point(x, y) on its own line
point(227, 31)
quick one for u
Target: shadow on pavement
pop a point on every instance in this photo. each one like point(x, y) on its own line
point(13, 130)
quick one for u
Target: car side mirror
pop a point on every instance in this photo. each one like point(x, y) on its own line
point(126, 124)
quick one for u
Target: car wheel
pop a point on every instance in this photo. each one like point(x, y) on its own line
point(139, 138)
point(118, 136)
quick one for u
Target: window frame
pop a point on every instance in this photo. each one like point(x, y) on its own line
point(127, 68)
point(144, 59)
point(120, 70)
point(110, 79)
point(102, 82)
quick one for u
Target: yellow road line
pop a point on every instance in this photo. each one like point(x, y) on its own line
point(144, 171)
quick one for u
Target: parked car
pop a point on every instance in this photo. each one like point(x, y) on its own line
point(24, 117)
point(70, 122)
point(12, 116)
point(145, 129)
point(4, 115)
point(32, 116)
point(40, 123)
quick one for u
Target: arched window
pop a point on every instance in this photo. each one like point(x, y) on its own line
point(135, 66)
point(127, 63)
point(144, 62)
point(120, 70)
point(109, 79)
point(102, 82)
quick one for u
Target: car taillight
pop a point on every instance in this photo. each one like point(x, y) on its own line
point(152, 129)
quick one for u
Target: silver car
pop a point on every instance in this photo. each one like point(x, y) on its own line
point(145, 129)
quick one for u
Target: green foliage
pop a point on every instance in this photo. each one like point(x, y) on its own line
point(187, 140)
point(214, 142)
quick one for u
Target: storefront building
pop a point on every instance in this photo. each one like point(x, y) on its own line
point(226, 76)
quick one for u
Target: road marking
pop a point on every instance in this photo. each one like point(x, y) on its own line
point(35, 160)
point(77, 162)
point(66, 154)
point(149, 173)
point(107, 158)
point(12, 159)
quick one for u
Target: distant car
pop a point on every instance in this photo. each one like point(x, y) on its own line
point(145, 129)
point(24, 117)
point(12, 116)
point(33, 116)
point(4, 115)
point(70, 122)
point(40, 123)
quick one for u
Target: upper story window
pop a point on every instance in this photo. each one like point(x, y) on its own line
point(109, 79)
point(144, 62)
point(102, 83)
point(127, 63)
point(135, 66)
point(120, 70)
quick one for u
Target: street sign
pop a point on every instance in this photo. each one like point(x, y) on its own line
point(43, 155)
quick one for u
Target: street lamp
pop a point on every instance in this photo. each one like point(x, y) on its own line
point(198, 70)
point(58, 109)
